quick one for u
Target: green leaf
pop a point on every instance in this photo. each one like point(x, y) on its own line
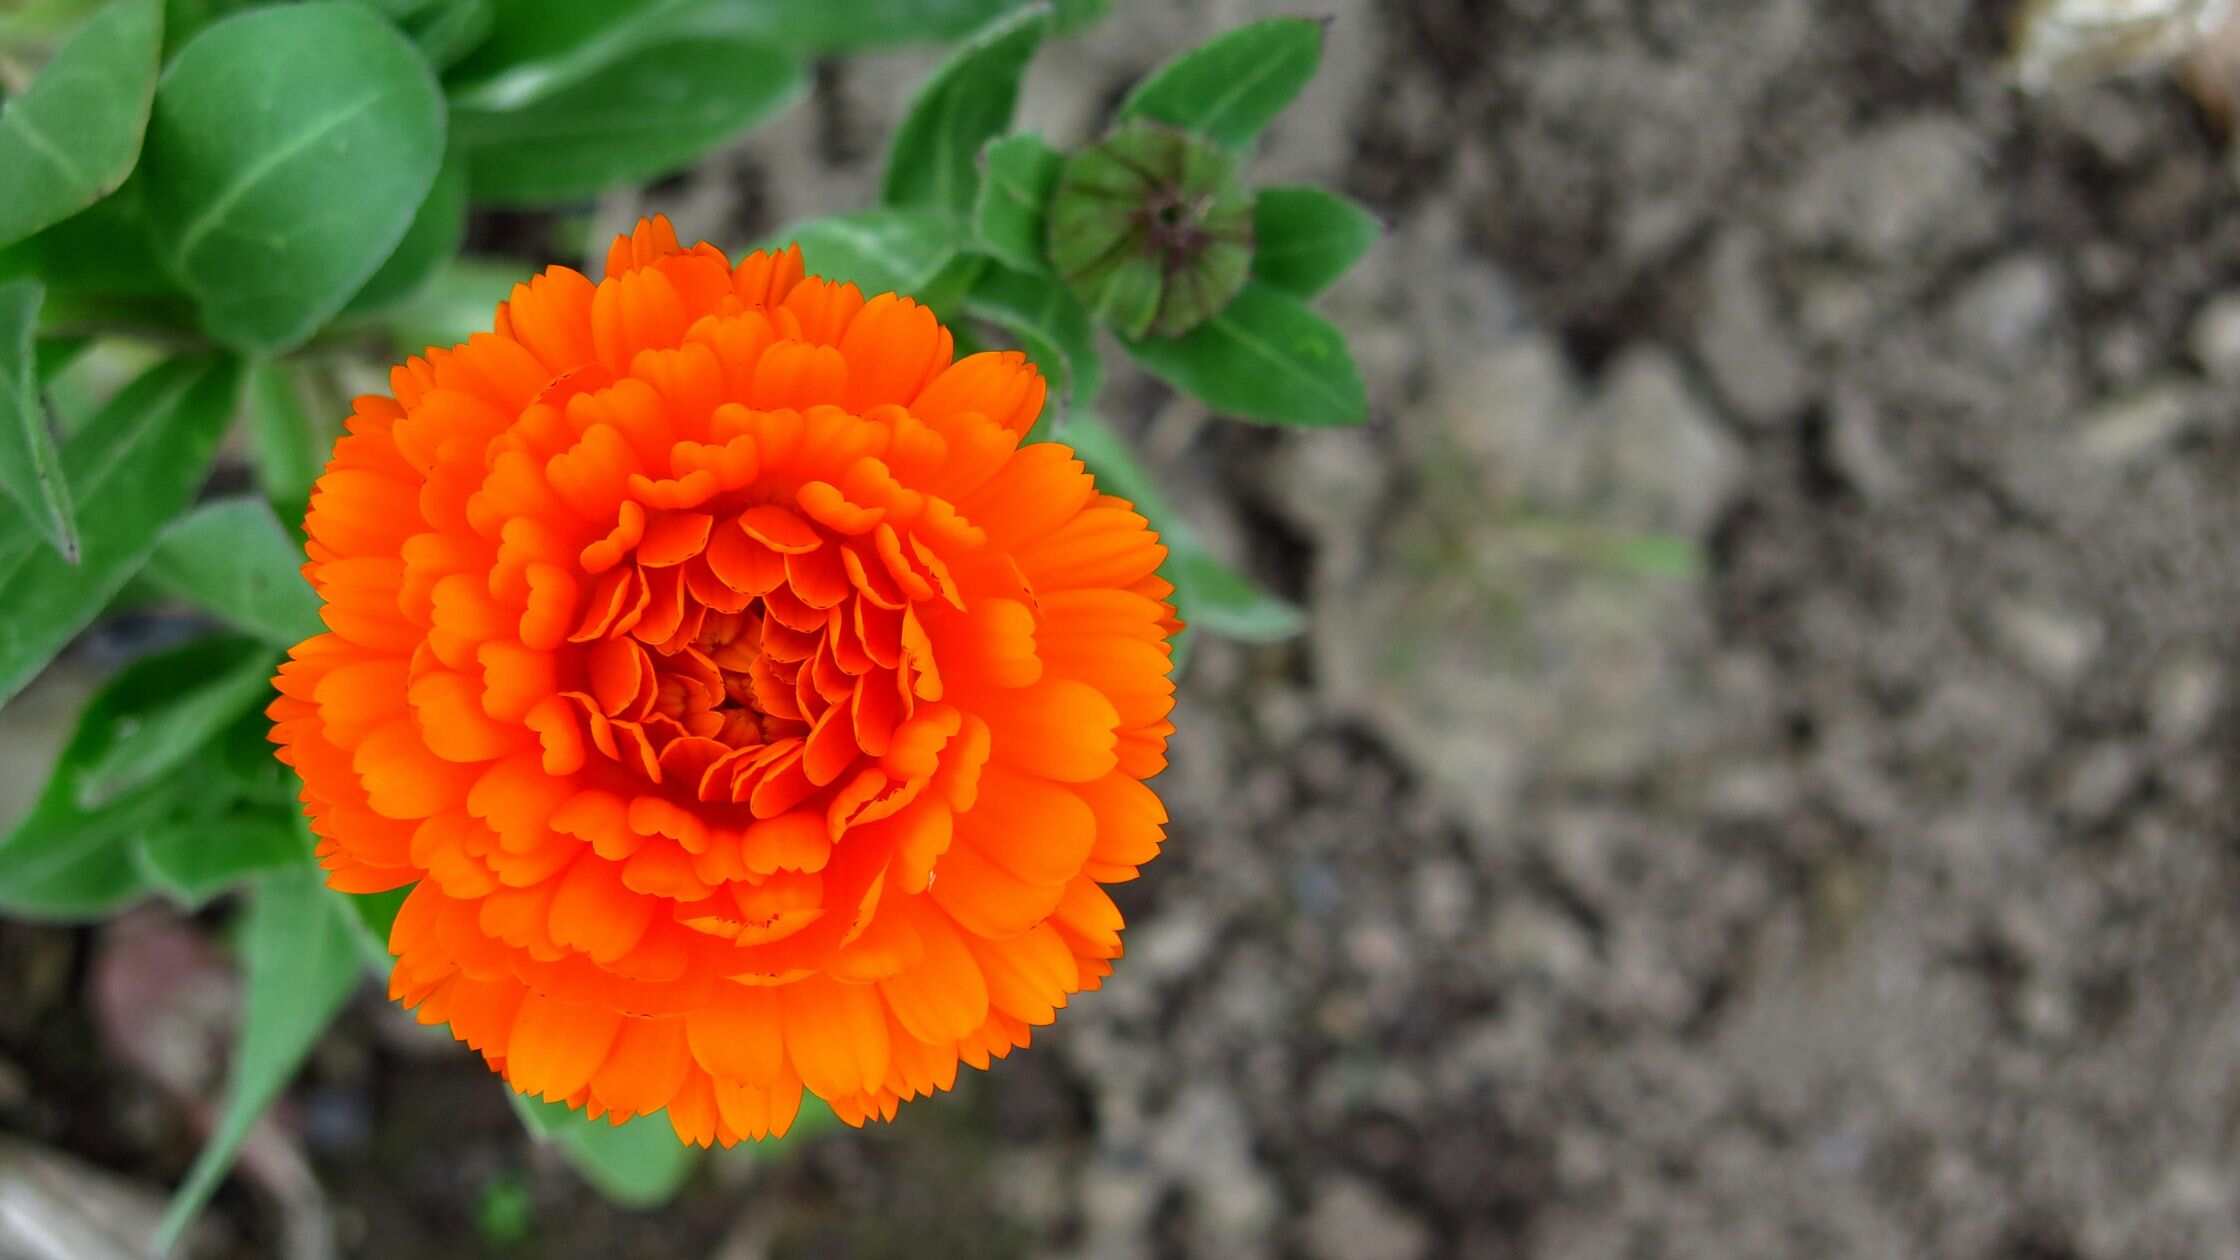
point(371, 916)
point(103, 249)
point(71, 139)
point(159, 737)
point(537, 48)
point(638, 1164)
point(461, 301)
point(1053, 329)
point(1230, 87)
point(655, 111)
point(1210, 595)
point(64, 860)
point(829, 26)
point(1017, 176)
point(448, 32)
point(1306, 237)
point(966, 103)
point(879, 251)
point(140, 460)
point(54, 356)
point(193, 860)
point(289, 152)
point(301, 963)
point(432, 240)
point(287, 447)
point(233, 558)
point(30, 468)
point(1265, 356)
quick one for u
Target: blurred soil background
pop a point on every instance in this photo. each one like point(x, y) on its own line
point(1756, 782)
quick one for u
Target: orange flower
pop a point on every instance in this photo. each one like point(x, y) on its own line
point(749, 709)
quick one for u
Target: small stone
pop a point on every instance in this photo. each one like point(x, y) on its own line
point(1857, 446)
point(2131, 428)
point(1744, 341)
point(2099, 781)
point(2051, 643)
point(2007, 305)
point(1668, 464)
point(1353, 1220)
point(2184, 696)
point(2215, 337)
point(1888, 192)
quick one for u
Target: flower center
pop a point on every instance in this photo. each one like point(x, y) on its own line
point(739, 656)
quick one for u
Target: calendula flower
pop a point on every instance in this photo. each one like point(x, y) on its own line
point(747, 707)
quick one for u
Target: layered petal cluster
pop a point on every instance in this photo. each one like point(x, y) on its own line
point(748, 708)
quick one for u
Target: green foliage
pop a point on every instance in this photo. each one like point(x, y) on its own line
point(967, 103)
point(287, 446)
point(847, 25)
point(1305, 237)
point(903, 251)
point(1018, 174)
point(73, 137)
point(30, 467)
point(301, 960)
point(1264, 357)
point(431, 241)
point(1233, 86)
point(236, 561)
point(165, 786)
point(140, 459)
point(649, 112)
point(164, 735)
point(272, 216)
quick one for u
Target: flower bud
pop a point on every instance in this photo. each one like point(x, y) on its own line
point(1152, 229)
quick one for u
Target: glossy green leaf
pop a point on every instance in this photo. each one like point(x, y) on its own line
point(66, 861)
point(1232, 86)
point(656, 110)
point(134, 465)
point(1051, 326)
point(459, 302)
point(30, 467)
point(287, 446)
point(448, 32)
point(1210, 595)
point(537, 48)
point(54, 355)
point(162, 736)
point(1305, 237)
point(233, 558)
point(371, 916)
point(432, 240)
point(1016, 177)
point(879, 251)
point(71, 139)
point(967, 102)
point(638, 1164)
point(290, 149)
point(302, 962)
point(829, 26)
point(103, 250)
point(1263, 357)
point(193, 860)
